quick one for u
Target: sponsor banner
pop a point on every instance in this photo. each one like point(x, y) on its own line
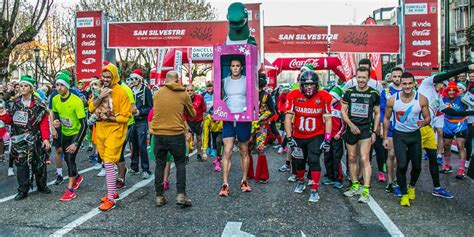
point(324, 63)
point(375, 58)
point(421, 36)
point(201, 54)
point(366, 39)
point(160, 57)
point(297, 39)
point(177, 34)
point(347, 61)
point(178, 61)
point(88, 44)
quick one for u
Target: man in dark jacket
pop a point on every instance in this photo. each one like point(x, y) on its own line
point(138, 135)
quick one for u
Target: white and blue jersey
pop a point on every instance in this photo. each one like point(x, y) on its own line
point(406, 115)
point(385, 94)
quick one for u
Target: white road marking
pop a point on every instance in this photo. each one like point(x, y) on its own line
point(232, 229)
point(11, 197)
point(95, 211)
point(380, 214)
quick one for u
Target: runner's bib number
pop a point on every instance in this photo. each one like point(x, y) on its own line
point(66, 122)
point(360, 110)
point(20, 118)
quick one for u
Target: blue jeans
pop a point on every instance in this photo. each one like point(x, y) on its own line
point(138, 137)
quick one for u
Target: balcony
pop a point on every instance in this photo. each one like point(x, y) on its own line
point(461, 38)
point(461, 3)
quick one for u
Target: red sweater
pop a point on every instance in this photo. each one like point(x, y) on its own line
point(200, 108)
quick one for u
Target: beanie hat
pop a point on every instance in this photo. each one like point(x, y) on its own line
point(462, 85)
point(137, 73)
point(28, 80)
point(307, 67)
point(63, 79)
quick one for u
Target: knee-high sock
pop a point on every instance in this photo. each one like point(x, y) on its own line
point(315, 176)
point(110, 180)
point(250, 172)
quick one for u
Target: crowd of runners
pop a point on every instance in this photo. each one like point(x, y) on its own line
point(399, 121)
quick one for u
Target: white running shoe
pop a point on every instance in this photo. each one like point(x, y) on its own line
point(280, 150)
point(98, 166)
point(101, 173)
point(292, 178)
point(10, 172)
point(466, 164)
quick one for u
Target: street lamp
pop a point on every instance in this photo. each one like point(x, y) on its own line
point(36, 50)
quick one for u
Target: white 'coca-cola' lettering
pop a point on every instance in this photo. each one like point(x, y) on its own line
point(295, 63)
point(421, 32)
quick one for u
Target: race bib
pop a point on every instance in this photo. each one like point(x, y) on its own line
point(66, 122)
point(20, 118)
point(360, 110)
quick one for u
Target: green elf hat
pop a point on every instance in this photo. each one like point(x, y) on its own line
point(307, 67)
point(462, 85)
point(63, 79)
point(28, 80)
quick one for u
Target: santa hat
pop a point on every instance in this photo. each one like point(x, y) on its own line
point(137, 73)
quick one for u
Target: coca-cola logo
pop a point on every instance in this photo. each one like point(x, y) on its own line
point(421, 32)
point(299, 63)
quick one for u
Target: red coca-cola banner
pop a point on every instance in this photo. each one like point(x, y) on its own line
point(296, 39)
point(254, 20)
point(88, 44)
point(421, 36)
point(365, 39)
point(325, 63)
point(348, 64)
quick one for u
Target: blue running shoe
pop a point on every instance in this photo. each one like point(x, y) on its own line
point(300, 187)
point(327, 181)
point(93, 158)
point(338, 185)
point(313, 196)
point(439, 159)
point(208, 151)
point(441, 192)
point(213, 153)
point(425, 157)
point(396, 191)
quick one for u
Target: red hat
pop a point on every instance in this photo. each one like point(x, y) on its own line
point(137, 73)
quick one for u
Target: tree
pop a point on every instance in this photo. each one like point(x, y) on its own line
point(14, 32)
point(143, 11)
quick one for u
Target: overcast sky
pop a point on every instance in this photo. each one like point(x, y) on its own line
point(312, 12)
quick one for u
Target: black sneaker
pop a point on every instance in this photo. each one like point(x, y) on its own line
point(20, 196)
point(199, 157)
point(59, 180)
point(44, 190)
point(389, 188)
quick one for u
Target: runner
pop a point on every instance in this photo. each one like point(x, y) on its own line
point(30, 137)
point(111, 132)
point(212, 133)
point(195, 123)
point(360, 111)
point(454, 126)
point(430, 88)
point(332, 159)
point(394, 88)
point(404, 109)
point(69, 115)
point(308, 127)
point(236, 92)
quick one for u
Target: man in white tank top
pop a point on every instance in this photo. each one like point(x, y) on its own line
point(406, 108)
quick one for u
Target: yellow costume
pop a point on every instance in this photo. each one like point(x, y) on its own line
point(208, 126)
point(110, 136)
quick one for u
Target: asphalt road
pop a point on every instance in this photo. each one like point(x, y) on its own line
point(269, 210)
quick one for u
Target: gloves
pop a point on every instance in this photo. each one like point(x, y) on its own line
point(325, 146)
point(291, 143)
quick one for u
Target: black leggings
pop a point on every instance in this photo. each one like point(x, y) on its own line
point(433, 164)
point(332, 160)
point(70, 158)
point(468, 143)
point(407, 148)
point(216, 138)
point(311, 153)
point(380, 153)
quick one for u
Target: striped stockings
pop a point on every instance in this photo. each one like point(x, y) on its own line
point(110, 180)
